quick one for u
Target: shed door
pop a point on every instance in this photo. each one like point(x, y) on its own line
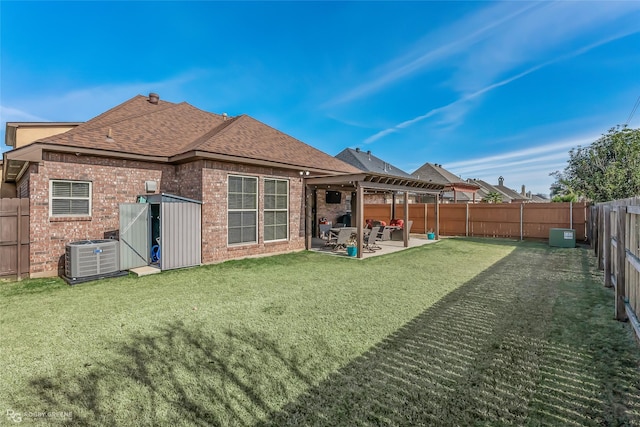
point(134, 235)
point(180, 239)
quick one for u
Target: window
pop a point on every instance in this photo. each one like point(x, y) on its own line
point(69, 198)
point(242, 209)
point(276, 209)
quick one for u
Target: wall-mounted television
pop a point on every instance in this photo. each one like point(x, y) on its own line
point(333, 197)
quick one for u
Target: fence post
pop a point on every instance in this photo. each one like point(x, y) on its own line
point(19, 241)
point(521, 210)
point(622, 264)
point(466, 230)
point(594, 230)
point(571, 215)
point(607, 247)
point(600, 237)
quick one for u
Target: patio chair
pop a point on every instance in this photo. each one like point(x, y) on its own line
point(343, 237)
point(370, 240)
point(385, 233)
point(324, 230)
point(398, 234)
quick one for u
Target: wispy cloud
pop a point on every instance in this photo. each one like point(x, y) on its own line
point(531, 165)
point(10, 114)
point(471, 30)
point(466, 98)
point(82, 104)
point(531, 154)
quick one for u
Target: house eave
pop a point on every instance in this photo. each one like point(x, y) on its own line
point(204, 155)
point(15, 160)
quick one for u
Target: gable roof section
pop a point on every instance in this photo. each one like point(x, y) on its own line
point(436, 173)
point(365, 161)
point(168, 130)
point(252, 139)
point(514, 195)
point(488, 188)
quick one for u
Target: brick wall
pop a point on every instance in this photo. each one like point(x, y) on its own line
point(332, 211)
point(214, 212)
point(120, 181)
point(114, 182)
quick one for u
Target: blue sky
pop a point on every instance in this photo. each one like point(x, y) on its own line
point(484, 88)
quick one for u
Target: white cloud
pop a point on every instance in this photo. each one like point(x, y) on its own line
point(431, 51)
point(10, 114)
point(530, 166)
point(85, 103)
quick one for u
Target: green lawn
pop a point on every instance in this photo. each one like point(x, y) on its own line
point(465, 331)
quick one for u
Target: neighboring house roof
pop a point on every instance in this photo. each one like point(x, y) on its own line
point(367, 162)
point(159, 129)
point(486, 188)
point(19, 134)
point(539, 198)
point(435, 172)
point(457, 189)
point(514, 195)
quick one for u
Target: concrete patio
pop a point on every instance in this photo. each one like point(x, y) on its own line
point(388, 246)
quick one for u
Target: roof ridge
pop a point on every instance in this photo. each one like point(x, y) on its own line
point(167, 105)
point(214, 131)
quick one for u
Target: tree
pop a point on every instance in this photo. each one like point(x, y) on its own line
point(608, 169)
point(562, 190)
point(492, 197)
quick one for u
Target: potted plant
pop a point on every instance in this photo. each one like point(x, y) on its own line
point(431, 235)
point(352, 245)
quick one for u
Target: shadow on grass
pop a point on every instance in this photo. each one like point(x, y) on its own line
point(180, 375)
point(489, 353)
point(515, 345)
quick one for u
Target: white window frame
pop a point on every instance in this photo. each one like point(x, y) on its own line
point(255, 240)
point(264, 223)
point(69, 214)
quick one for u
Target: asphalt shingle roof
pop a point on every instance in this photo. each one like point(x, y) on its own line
point(166, 129)
point(367, 162)
point(432, 172)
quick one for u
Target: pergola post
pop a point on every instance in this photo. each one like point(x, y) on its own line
point(359, 217)
point(308, 217)
point(437, 217)
point(405, 228)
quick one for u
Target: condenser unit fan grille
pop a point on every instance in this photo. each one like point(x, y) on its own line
point(86, 258)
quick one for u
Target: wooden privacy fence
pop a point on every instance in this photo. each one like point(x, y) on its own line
point(510, 220)
point(616, 241)
point(14, 237)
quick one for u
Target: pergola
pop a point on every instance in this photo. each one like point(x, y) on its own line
point(361, 182)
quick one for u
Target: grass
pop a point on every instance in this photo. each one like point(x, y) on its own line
point(467, 331)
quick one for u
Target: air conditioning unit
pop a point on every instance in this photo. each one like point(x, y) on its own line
point(87, 258)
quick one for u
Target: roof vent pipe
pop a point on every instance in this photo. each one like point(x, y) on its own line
point(357, 149)
point(154, 98)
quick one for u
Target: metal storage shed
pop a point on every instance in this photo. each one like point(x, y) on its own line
point(161, 229)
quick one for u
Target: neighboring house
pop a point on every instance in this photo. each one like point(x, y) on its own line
point(249, 177)
point(512, 194)
point(457, 190)
point(19, 134)
point(365, 161)
point(486, 189)
point(539, 198)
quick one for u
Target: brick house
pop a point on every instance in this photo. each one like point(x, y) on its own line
point(249, 177)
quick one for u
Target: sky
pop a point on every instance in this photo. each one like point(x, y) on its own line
point(486, 89)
